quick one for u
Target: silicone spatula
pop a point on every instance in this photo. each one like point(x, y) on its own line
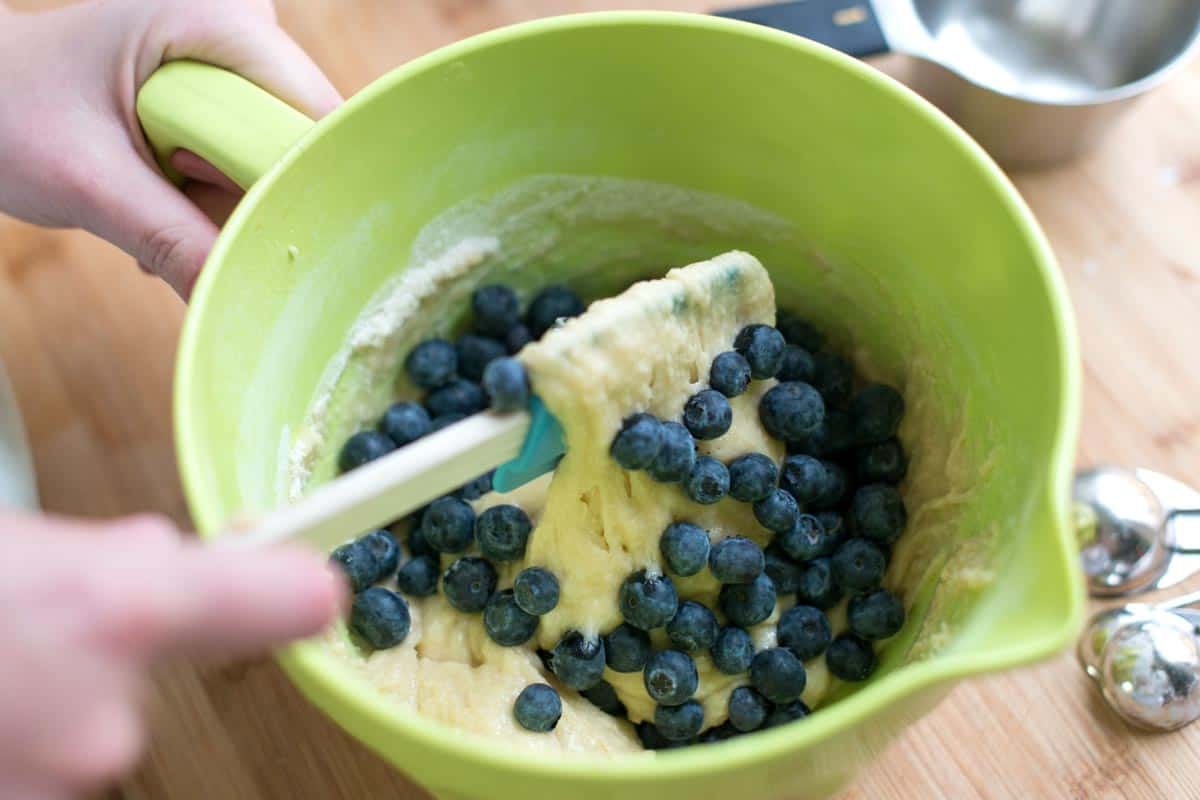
point(522, 445)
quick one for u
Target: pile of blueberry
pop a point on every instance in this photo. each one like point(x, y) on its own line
point(475, 372)
point(831, 510)
point(466, 376)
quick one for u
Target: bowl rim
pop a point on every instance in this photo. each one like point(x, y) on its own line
point(332, 685)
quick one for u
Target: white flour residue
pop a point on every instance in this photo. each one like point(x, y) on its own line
point(375, 333)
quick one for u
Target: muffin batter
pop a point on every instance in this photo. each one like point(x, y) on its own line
point(648, 349)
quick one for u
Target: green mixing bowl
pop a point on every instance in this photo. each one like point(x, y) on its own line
point(891, 228)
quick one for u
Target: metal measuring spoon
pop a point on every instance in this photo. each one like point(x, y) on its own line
point(1145, 530)
point(1101, 628)
point(1146, 660)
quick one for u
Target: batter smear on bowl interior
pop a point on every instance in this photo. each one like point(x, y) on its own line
point(595, 523)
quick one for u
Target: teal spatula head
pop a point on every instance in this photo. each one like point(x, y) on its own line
point(540, 452)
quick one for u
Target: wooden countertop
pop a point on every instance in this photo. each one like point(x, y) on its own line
point(90, 342)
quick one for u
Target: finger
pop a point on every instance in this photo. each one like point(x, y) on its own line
point(139, 530)
point(255, 48)
point(216, 203)
point(142, 213)
point(105, 742)
point(250, 601)
point(196, 168)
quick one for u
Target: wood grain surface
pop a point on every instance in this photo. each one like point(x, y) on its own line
point(90, 342)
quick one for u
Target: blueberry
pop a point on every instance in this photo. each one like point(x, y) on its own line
point(762, 346)
point(876, 411)
point(637, 443)
point(747, 604)
point(735, 559)
point(817, 586)
point(506, 384)
point(496, 309)
point(791, 410)
point(733, 650)
point(505, 622)
point(676, 457)
point(578, 661)
point(444, 420)
point(799, 331)
point(787, 712)
point(626, 648)
point(684, 548)
point(833, 437)
point(448, 525)
point(679, 723)
point(804, 478)
point(729, 374)
point(806, 540)
point(476, 488)
point(432, 363)
point(850, 658)
point(708, 481)
point(805, 631)
point(835, 528)
point(536, 590)
point(363, 447)
point(385, 548)
point(418, 545)
point(833, 377)
point(502, 532)
point(670, 677)
point(604, 697)
point(875, 615)
point(418, 577)
point(707, 414)
point(647, 601)
point(468, 583)
point(538, 708)
point(778, 675)
point(475, 353)
point(651, 739)
point(718, 733)
point(884, 462)
point(381, 617)
point(367, 559)
point(550, 305)
point(752, 477)
point(858, 564)
point(517, 337)
point(777, 511)
point(797, 365)
point(781, 569)
point(405, 422)
point(456, 397)
point(694, 627)
point(877, 512)
point(835, 487)
point(748, 709)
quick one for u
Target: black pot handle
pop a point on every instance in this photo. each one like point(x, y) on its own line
point(847, 25)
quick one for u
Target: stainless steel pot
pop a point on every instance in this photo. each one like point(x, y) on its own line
point(1034, 81)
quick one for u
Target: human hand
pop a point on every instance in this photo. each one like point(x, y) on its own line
point(86, 608)
point(72, 153)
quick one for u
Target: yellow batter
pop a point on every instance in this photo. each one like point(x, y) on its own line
point(648, 349)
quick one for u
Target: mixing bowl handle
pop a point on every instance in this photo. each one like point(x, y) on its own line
point(852, 28)
point(225, 119)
